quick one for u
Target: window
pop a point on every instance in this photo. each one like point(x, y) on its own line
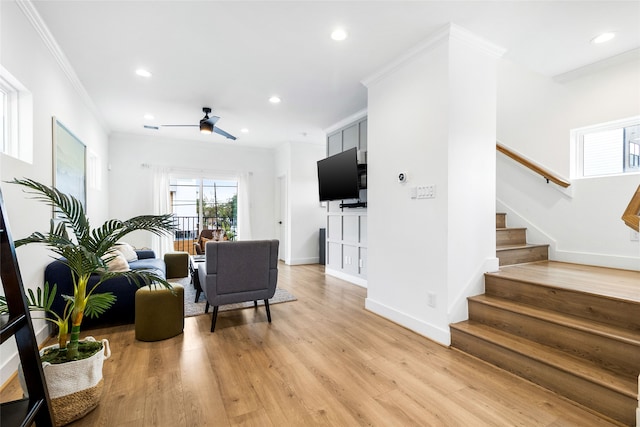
point(607, 149)
point(94, 171)
point(201, 203)
point(3, 118)
point(16, 107)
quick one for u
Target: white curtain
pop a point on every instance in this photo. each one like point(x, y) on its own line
point(161, 205)
point(244, 211)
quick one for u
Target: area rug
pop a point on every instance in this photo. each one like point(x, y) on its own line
point(192, 308)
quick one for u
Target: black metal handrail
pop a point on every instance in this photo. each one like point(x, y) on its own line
point(188, 229)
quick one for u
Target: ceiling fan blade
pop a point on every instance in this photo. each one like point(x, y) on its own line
point(178, 126)
point(223, 133)
point(213, 120)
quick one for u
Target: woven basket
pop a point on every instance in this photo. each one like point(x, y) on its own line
point(75, 387)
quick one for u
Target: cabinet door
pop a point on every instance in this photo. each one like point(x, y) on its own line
point(350, 137)
point(334, 232)
point(350, 228)
point(350, 259)
point(334, 256)
point(334, 144)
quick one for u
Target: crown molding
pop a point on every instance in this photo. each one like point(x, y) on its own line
point(630, 55)
point(446, 33)
point(29, 10)
point(488, 48)
point(346, 121)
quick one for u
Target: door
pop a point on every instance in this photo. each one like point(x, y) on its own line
point(281, 217)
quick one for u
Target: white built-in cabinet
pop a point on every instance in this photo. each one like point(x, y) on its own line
point(346, 254)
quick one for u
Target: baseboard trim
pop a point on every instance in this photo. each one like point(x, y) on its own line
point(600, 260)
point(428, 330)
point(302, 261)
point(347, 277)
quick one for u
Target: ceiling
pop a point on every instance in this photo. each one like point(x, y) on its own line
point(233, 55)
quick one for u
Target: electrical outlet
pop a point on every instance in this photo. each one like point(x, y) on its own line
point(634, 236)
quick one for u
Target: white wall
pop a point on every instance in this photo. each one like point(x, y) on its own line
point(433, 117)
point(535, 116)
point(26, 57)
point(296, 162)
point(131, 183)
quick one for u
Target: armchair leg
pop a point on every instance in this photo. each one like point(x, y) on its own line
point(255, 304)
point(266, 304)
point(206, 307)
point(214, 316)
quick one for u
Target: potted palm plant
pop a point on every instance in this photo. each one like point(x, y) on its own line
point(87, 253)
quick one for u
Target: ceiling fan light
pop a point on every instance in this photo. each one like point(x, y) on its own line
point(206, 127)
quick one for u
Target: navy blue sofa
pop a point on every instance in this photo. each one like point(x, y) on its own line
point(123, 310)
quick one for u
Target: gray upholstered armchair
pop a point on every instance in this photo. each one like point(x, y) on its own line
point(241, 271)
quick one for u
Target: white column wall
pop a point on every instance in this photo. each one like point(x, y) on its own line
point(431, 116)
point(471, 172)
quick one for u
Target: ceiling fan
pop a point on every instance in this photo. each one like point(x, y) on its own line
point(207, 125)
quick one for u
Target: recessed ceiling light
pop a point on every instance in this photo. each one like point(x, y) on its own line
point(244, 130)
point(148, 116)
point(143, 73)
point(339, 34)
point(275, 99)
point(604, 37)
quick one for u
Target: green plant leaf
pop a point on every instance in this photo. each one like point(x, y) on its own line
point(68, 207)
point(83, 252)
point(98, 304)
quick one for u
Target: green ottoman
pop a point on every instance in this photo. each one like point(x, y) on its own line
point(159, 313)
point(177, 264)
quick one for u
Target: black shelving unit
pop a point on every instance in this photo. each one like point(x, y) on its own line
point(35, 408)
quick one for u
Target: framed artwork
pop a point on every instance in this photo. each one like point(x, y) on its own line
point(69, 163)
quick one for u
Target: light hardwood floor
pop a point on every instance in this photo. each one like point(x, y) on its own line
point(324, 360)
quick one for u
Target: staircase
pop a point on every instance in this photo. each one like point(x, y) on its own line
point(573, 329)
point(512, 247)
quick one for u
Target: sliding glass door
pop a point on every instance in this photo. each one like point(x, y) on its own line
point(203, 204)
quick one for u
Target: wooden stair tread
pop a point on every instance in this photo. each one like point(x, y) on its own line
point(510, 228)
point(551, 357)
point(567, 320)
point(521, 246)
point(601, 281)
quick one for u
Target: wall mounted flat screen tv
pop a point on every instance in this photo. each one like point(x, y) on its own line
point(338, 176)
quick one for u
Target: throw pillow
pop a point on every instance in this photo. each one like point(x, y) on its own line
point(127, 250)
point(116, 261)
